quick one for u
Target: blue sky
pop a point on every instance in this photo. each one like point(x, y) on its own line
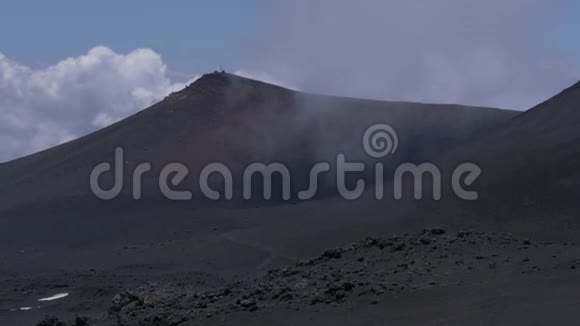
point(568, 30)
point(70, 67)
point(192, 36)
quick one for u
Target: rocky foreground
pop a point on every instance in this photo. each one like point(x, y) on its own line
point(365, 272)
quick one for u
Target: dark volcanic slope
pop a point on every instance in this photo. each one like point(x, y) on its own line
point(537, 147)
point(531, 174)
point(226, 118)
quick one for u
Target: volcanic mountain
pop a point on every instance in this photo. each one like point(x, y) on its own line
point(529, 185)
point(530, 178)
point(236, 121)
point(202, 262)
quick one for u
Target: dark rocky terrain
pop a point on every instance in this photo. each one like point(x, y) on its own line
point(371, 272)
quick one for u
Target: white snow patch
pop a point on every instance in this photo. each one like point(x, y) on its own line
point(55, 297)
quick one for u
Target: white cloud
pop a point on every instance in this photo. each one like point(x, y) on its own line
point(493, 53)
point(40, 108)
